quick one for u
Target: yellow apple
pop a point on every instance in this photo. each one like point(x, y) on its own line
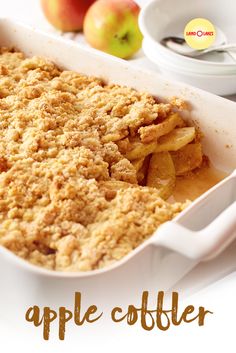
point(112, 26)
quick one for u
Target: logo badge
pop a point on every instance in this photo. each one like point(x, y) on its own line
point(199, 33)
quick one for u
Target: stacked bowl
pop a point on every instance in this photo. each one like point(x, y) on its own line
point(215, 72)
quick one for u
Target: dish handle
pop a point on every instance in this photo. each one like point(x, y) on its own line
point(201, 245)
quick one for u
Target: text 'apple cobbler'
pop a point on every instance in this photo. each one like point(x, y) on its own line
point(85, 167)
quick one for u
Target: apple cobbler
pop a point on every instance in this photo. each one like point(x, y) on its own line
point(86, 168)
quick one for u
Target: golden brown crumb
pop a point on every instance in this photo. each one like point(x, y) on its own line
point(3, 164)
point(179, 103)
point(69, 199)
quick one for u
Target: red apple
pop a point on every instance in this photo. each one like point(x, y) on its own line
point(112, 26)
point(66, 15)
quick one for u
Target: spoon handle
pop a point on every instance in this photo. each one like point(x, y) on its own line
point(224, 47)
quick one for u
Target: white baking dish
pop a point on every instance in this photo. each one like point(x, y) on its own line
point(164, 258)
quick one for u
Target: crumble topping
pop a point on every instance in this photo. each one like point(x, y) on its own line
point(69, 198)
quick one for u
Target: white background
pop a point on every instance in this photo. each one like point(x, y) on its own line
point(216, 336)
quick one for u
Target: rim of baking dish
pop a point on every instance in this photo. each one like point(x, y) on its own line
point(22, 263)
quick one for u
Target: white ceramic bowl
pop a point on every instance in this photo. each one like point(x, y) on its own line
point(161, 18)
point(218, 84)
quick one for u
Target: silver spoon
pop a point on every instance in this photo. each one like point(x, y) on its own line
point(179, 46)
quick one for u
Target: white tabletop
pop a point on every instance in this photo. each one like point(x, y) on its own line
point(29, 11)
point(215, 277)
